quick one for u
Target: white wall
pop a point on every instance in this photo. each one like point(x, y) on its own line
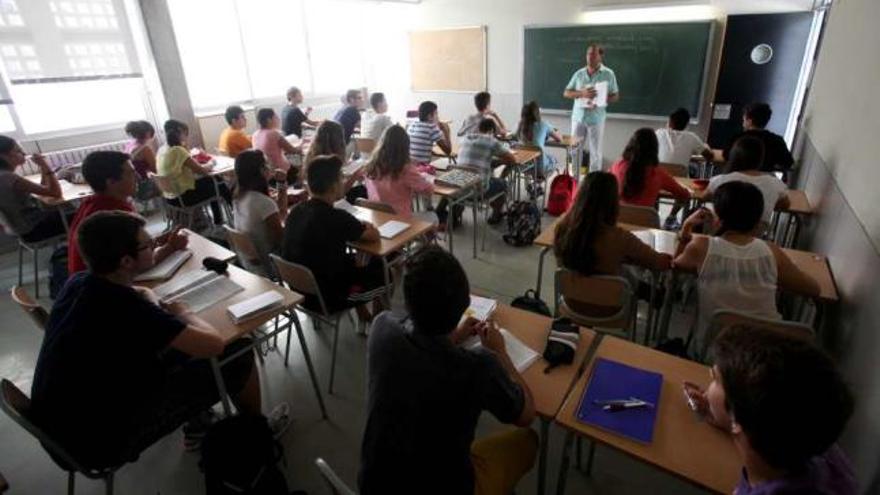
point(843, 108)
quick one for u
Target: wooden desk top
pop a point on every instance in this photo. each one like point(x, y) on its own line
point(223, 165)
point(682, 444)
point(69, 191)
point(254, 285)
point(384, 247)
point(810, 263)
point(568, 141)
point(799, 203)
point(548, 389)
point(522, 156)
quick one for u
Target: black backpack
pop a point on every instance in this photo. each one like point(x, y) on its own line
point(240, 456)
point(523, 223)
point(531, 302)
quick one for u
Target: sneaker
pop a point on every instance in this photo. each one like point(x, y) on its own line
point(194, 431)
point(279, 419)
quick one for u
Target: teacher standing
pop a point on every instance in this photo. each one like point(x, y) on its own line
point(587, 118)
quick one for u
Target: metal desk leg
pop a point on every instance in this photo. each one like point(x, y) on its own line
point(221, 386)
point(564, 463)
point(541, 257)
point(294, 319)
point(542, 455)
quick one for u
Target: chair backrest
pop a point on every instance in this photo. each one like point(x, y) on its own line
point(334, 482)
point(365, 145)
point(643, 216)
point(597, 300)
point(674, 169)
point(243, 245)
point(725, 318)
point(299, 278)
point(17, 406)
point(36, 312)
point(375, 205)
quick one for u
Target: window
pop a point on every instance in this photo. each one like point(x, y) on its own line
point(336, 37)
point(60, 57)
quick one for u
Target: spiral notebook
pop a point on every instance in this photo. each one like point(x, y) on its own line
point(611, 380)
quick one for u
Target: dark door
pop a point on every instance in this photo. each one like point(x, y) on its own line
point(777, 43)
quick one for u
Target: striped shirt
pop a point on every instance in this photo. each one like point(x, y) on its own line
point(477, 150)
point(422, 136)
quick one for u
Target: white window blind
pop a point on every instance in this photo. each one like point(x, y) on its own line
point(336, 43)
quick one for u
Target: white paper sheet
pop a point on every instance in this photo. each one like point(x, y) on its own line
point(391, 228)
point(521, 355)
point(601, 99)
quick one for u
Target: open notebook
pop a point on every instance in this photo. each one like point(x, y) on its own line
point(198, 289)
point(658, 240)
point(165, 269)
point(520, 354)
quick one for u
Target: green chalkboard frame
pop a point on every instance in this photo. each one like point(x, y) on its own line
point(707, 65)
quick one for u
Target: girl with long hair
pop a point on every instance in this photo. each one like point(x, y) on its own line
point(535, 132)
point(255, 213)
point(640, 179)
point(392, 178)
point(19, 212)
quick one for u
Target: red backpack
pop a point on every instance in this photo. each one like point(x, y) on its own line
point(561, 196)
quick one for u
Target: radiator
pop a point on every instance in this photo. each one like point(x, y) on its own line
point(65, 158)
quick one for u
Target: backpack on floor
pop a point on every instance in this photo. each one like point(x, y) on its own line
point(531, 302)
point(562, 191)
point(240, 456)
point(523, 223)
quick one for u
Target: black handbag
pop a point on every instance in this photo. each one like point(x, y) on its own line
point(530, 302)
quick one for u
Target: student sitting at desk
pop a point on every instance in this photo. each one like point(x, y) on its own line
point(255, 213)
point(233, 139)
point(393, 180)
point(737, 270)
point(376, 119)
point(20, 214)
point(784, 404)
point(143, 156)
point(777, 157)
point(639, 177)
point(111, 176)
point(744, 165)
point(534, 132)
point(116, 370)
point(316, 235)
point(482, 101)
point(178, 166)
point(426, 393)
point(478, 150)
point(427, 132)
point(349, 116)
point(588, 240)
point(293, 117)
point(676, 144)
point(273, 145)
point(330, 140)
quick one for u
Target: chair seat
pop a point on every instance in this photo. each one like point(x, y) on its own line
point(605, 317)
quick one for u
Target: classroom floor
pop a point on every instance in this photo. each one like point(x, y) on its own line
point(500, 271)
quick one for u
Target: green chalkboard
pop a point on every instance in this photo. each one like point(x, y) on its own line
point(659, 67)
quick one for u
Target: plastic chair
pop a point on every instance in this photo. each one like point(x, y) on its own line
point(300, 279)
point(334, 482)
point(34, 248)
point(246, 251)
point(599, 301)
point(375, 205)
point(17, 406)
point(642, 216)
point(175, 209)
point(725, 318)
point(35, 311)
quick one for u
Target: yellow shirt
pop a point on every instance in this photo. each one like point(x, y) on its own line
point(170, 164)
point(234, 141)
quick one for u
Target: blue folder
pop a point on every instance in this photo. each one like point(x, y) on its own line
point(611, 380)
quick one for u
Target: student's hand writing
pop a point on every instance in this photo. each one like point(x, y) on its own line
point(467, 329)
point(176, 308)
point(699, 403)
point(702, 216)
point(490, 337)
point(147, 294)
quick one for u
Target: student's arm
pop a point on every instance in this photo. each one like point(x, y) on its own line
point(370, 233)
point(792, 278)
point(492, 339)
point(668, 183)
point(555, 135)
point(414, 181)
point(442, 139)
point(195, 167)
point(275, 228)
point(48, 186)
point(286, 147)
point(642, 255)
point(174, 241)
point(198, 339)
point(502, 129)
point(148, 156)
point(691, 252)
point(506, 156)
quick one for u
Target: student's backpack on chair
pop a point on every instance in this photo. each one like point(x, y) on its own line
point(562, 191)
point(523, 223)
point(240, 456)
